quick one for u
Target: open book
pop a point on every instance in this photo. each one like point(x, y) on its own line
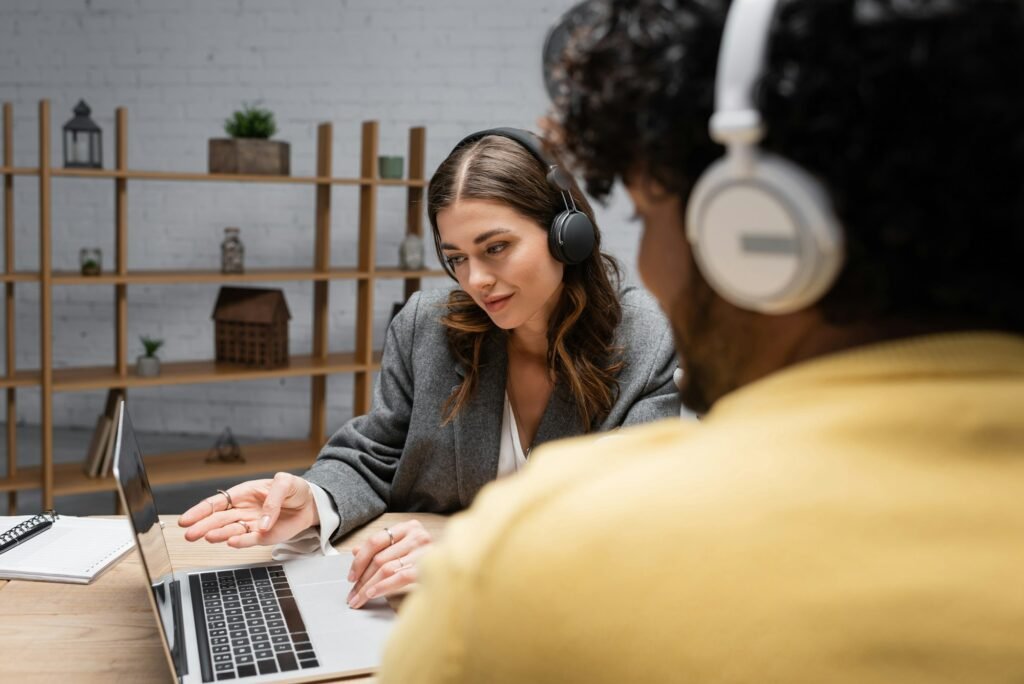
point(73, 549)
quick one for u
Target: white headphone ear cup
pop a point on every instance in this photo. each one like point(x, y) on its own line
point(763, 234)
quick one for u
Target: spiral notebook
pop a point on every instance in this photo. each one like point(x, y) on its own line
point(61, 548)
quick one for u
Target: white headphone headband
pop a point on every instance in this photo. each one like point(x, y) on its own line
point(762, 229)
point(741, 57)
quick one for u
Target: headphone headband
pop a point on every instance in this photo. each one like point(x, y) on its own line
point(571, 235)
point(741, 59)
point(761, 228)
point(531, 143)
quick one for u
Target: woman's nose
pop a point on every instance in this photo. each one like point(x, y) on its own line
point(480, 277)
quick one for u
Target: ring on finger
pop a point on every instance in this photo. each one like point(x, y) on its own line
point(390, 536)
point(401, 565)
point(228, 497)
point(245, 525)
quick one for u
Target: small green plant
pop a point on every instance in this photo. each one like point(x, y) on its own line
point(251, 122)
point(151, 345)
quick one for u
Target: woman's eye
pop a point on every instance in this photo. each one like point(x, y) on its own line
point(454, 261)
point(499, 247)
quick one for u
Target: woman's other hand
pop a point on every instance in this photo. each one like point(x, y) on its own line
point(253, 512)
point(386, 563)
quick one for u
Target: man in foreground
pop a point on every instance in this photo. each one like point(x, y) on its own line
point(841, 260)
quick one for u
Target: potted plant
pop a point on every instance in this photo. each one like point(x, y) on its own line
point(249, 149)
point(148, 365)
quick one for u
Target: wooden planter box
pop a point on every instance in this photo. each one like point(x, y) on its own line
point(249, 155)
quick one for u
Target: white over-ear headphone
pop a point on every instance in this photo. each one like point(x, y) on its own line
point(761, 228)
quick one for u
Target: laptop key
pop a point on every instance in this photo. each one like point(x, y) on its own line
point(287, 662)
point(283, 648)
point(292, 615)
point(222, 649)
point(221, 676)
point(267, 653)
point(267, 666)
point(221, 667)
point(308, 663)
point(246, 670)
point(306, 655)
point(243, 659)
point(222, 658)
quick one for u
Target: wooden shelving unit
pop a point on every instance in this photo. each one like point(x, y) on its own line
point(362, 362)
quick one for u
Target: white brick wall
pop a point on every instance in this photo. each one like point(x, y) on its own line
point(181, 67)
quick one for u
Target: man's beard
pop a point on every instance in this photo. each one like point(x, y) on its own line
point(711, 350)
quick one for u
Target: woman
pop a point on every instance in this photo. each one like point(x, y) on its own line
point(535, 344)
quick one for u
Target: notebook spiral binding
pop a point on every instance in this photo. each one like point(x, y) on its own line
point(20, 530)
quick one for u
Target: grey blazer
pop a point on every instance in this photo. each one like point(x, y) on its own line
point(397, 457)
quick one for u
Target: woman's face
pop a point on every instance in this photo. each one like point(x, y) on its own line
point(501, 260)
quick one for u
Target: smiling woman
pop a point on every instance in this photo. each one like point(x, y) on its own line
point(536, 343)
point(493, 206)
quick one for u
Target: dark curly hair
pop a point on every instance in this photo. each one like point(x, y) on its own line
point(911, 112)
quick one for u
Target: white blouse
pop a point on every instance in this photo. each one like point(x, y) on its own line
point(511, 456)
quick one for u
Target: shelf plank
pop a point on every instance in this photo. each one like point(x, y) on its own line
point(184, 466)
point(182, 277)
point(22, 378)
point(403, 182)
point(402, 274)
point(131, 174)
point(194, 372)
point(18, 171)
point(19, 277)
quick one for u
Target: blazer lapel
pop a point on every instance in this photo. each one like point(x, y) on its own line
point(478, 426)
point(559, 419)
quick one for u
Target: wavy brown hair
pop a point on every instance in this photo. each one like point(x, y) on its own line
point(584, 320)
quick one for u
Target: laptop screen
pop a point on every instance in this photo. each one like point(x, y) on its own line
point(149, 535)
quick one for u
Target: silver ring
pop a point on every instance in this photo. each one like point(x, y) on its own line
point(390, 536)
point(245, 525)
point(228, 497)
point(401, 565)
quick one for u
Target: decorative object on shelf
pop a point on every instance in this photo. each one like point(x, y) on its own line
point(90, 260)
point(251, 326)
point(249, 149)
point(226, 449)
point(232, 252)
point(389, 167)
point(83, 140)
point(148, 365)
point(410, 253)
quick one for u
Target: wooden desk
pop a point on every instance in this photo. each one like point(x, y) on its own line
point(106, 631)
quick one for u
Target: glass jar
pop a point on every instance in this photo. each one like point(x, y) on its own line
point(232, 252)
point(90, 260)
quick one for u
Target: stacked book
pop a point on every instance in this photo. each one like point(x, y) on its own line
point(100, 457)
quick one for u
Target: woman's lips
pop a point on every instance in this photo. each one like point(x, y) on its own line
point(497, 304)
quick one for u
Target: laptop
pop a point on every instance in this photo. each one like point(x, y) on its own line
point(258, 622)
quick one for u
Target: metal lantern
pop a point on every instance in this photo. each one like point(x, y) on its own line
point(83, 140)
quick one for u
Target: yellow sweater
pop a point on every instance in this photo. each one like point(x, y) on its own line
point(856, 518)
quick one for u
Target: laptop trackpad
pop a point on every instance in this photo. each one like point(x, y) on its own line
point(344, 639)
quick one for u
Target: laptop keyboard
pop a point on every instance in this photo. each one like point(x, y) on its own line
point(248, 624)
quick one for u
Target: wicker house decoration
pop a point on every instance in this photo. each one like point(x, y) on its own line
point(251, 327)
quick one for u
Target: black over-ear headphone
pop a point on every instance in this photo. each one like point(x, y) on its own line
point(571, 236)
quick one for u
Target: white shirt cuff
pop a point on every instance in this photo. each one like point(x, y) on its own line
point(311, 540)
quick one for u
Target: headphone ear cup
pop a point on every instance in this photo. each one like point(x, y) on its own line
point(571, 238)
point(763, 234)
